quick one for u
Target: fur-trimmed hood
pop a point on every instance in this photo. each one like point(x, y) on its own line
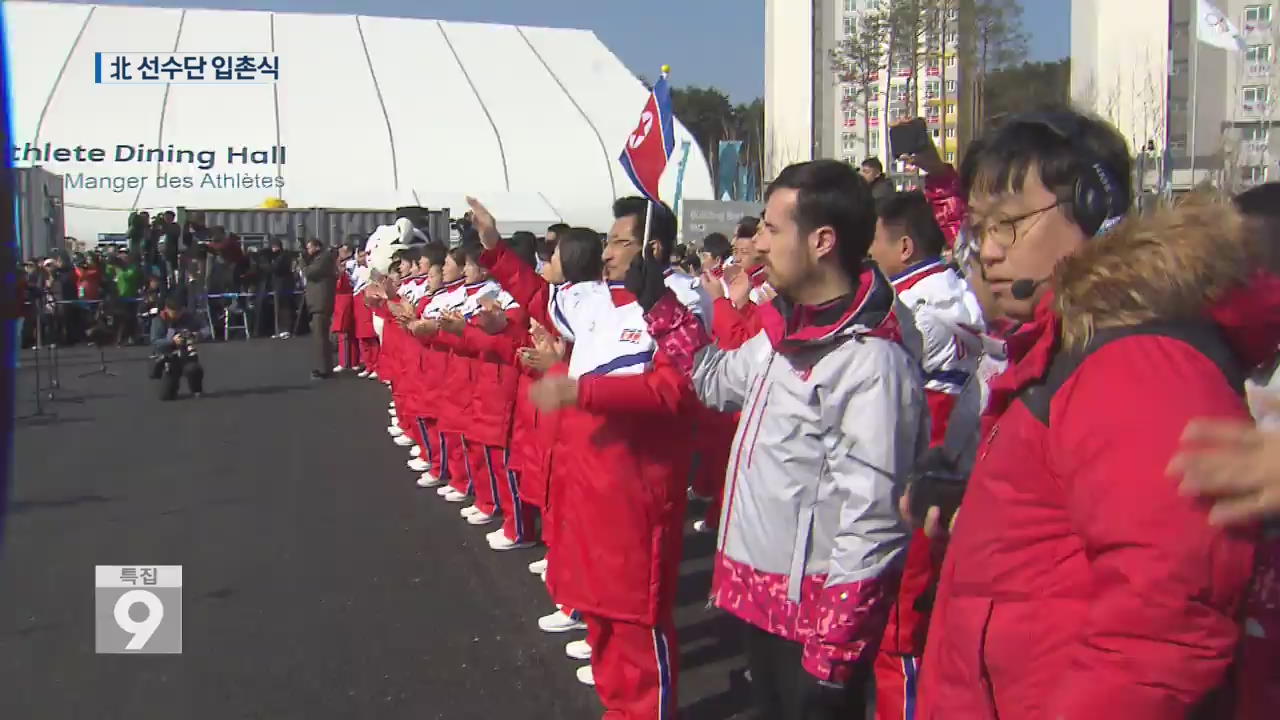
point(1181, 263)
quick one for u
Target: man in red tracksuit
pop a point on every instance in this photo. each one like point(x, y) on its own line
point(620, 482)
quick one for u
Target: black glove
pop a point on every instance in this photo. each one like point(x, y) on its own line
point(646, 279)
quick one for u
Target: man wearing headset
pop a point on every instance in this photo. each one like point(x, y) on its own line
point(1078, 582)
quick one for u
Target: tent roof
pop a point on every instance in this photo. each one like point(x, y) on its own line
point(373, 112)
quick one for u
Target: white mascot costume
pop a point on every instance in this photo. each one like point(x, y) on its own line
point(383, 244)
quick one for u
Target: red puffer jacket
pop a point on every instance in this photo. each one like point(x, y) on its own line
point(942, 189)
point(1078, 583)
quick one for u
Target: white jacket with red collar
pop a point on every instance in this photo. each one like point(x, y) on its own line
point(950, 322)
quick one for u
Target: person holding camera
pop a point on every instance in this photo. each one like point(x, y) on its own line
point(176, 355)
point(321, 272)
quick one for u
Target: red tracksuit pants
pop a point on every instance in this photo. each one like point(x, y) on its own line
point(348, 350)
point(454, 468)
point(369, 351)
point(634, 668)
point(497, 489)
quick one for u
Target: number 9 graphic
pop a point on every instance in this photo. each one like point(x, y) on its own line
point(141, 631)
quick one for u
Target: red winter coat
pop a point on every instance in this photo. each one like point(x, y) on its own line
point(495, 377)
point(362, 316)
point(1079, 583)
point(343, 306)
point(942, 189)
point(620, 466)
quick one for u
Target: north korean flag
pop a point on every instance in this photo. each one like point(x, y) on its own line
point(652, 142)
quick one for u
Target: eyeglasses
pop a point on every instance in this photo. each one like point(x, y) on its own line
point(1005, 232)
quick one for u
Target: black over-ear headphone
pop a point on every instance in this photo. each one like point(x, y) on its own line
point(1098, 194)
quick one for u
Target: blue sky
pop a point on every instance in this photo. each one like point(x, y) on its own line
point(713, 42)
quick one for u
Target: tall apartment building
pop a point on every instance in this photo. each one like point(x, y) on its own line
point(1191, 112)
point(810, 113)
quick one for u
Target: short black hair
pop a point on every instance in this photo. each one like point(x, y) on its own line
point(1050, 141)
point(435, 253)
point(874, 163)
point(524, 245)
point(471, 252)
point(558, 228)
point(1260, 207)
point(459, 254)
point(544, 250)
point(747, 227)
point(831, 193)
point(410, 254)
point(664, 221)
point(1262, 201)
point(173, 303)
point(911, 213)
point(580, 255)
point(717, 246)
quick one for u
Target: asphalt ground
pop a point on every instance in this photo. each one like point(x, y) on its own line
point(319, 581)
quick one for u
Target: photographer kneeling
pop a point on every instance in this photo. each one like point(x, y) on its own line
point(177, 355)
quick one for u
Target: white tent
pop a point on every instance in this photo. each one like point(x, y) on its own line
point(373, 112)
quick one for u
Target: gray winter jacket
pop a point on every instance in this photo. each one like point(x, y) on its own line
point(833, 416)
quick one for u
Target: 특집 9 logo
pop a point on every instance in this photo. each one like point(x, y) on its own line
point(138, 609)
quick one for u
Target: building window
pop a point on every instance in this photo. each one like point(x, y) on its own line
point(951, 133)
point(850, 142)
point(951, 87)
point(850, 26)
point(931, 91)
point(851, 6)
point(1258, 53)
point(874, 140)
point(850, 92)
point(953, 14)
point(951, 108)
point(1253, 133)
point(1257, 14)
point(1253, 174)
point(1255, 97)
point(873, 112)
point(953, 38)
point(951, 61)
point(1177, 147)
point(951, 157)
point(936, 134)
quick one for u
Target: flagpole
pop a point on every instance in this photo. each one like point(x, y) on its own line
point(1195, 72)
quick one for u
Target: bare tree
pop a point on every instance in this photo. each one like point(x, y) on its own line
point(858, 62)
point(1000, 40)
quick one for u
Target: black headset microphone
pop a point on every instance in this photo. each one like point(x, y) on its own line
point(1024, 288)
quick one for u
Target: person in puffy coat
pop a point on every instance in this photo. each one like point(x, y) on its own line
point(1078, 583)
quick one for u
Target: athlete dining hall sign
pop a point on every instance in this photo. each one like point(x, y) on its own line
point(700, 218)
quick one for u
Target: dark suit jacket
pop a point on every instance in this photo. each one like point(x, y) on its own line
point(322, 276)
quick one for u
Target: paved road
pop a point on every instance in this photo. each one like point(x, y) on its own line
point(319, 582)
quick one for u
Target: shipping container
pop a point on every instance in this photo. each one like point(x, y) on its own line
point(38, 212)
point(294, 226)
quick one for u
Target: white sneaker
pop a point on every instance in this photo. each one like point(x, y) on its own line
point(468, 511)
point(285, 336)
point(496, 534)
point(372, 376)
point(558, 622)
point(585, 676)
point(502, 544)
point(404, 441)
point(419, 465)
point(543, 577)
point(363, 374)
point(339, 369)
point(415, 451)
point(454, 496)
point(701, 527)
point(444, 490)
point(578, 650)
point(394, 431)
point(391, 404)
point(427, 480)
point(479, 518)
point(391, 412)
point(537, 567)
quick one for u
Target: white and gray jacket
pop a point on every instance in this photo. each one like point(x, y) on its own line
point(833, 416)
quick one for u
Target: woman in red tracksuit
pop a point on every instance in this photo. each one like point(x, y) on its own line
point(362, 317)
point(343, 325)
point(454, 406)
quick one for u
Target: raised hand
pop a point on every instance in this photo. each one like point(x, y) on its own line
point(452, 322)
point(554, 393)
point(645, 279)
point(712, 285)
point(483, 222)
point(739, 286)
